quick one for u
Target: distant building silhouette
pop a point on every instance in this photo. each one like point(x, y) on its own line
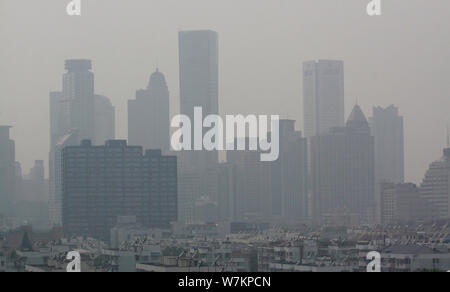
point(289, 176)
point(104, 120)
point(249, 196)
point(435, 187)
point(402, 204)
point(78, 92)
point(76, 113)
point(387, 129)
point(323, 96)
point(101, 183)
point(8, 183)
point(343, 171)
point(149, 115)
point(56, 176)
point(199, 86)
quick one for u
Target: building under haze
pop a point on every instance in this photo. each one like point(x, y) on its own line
point(149, 115)
point(104, 120)
point(343, 171)
point(7, 171)
point(323, 96)
point(199, 86)
point(248, 184)
point(387, 129)
point(101, 183)
point(289, 176)
point(76, 113)
point(78, 92)
point(435, 187)
point(402, 203)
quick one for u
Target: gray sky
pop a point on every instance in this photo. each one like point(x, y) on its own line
point(401, 58)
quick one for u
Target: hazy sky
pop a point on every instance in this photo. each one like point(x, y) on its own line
point(401, 58)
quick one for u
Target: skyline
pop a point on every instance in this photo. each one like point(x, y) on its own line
point(265, 74)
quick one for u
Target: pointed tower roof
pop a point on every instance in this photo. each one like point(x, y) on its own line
point(357, 115)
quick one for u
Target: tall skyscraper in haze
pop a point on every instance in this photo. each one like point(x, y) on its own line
point(199, 85)
point(323, 96)
point(289, 176)
point(7, 171)
point(59, 117)
point(76, 113)
point(104, 120)
point(78, 91)
point(149, 115)
point(343, 171)
point(387, 129)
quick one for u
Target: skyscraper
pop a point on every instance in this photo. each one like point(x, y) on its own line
point(289, 176)
point(78, 92)
point(7, 171)
point(343, 171)
point(76, 113)
point(323, 96)
point(435, 187)
point(250, 195)
point(149, 115)
point(199, 85)
point(104, 120)
point(101, 183)
point(387, 129)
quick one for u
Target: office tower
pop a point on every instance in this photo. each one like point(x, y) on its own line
point(435, 187)
point(59, 117)
point(289, 176)
point(250, 195)
point(101, 183)
point(343, 171)
point(323, 96)
point(149, 115)
point(76, 113)
point(37, 178)
point(78, 92)
point(387, 129)
point(199, 86)
point(7, 171)
point(56, 176)
point(401, 203)
point(104, 120)
point(188, 193)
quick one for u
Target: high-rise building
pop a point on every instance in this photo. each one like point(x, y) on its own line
point(104, 120)
point(56, 176)
point(289, 175)
point(343, 170)
point(199, 86)
point(59, 117)
point(435, 187)
point(101, 183)
point(78, 92)
point(323, 96)
point(250, 191)
point(7, 171)
point(76, 113)
point(149, 115)
point(387, 129)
